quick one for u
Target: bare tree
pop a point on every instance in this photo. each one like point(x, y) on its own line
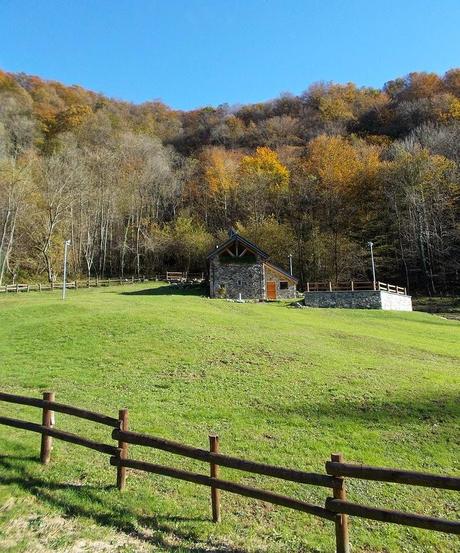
point(56, 182)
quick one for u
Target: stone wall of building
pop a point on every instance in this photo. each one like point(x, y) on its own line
point(229, 280)
point(276, 277)
point(362, 299)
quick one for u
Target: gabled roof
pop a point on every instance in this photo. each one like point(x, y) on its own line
point(243, 241)
point(282, 271)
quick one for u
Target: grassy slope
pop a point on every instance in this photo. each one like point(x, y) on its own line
point(279, 385)
point(448, 307)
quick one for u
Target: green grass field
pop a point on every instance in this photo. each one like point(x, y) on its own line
point(279, 385)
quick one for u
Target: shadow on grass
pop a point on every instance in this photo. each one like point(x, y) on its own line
point(434, 409)
point(170, 290)
point(100, 505)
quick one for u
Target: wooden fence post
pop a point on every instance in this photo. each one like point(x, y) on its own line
point(122, 449)
point(341, 521)
point(352, 286)
point(215, 493)
point(48, 421)
point(40, 287)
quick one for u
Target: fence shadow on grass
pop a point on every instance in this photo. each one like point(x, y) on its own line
point(168, 290)
point(105, 506)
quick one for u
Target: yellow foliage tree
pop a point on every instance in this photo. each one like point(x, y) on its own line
point(265, 181)
point(71, 117)
point(332, 160)
point(220, 170)
point(265, 168)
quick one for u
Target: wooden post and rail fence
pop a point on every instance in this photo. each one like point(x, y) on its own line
point(70, 284)
point(354, 286)
point(170, 277)
point(336, 509)
point(177, 277)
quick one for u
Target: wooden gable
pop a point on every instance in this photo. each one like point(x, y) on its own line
point(238, 247)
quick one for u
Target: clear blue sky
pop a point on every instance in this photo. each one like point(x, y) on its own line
point(192, 53)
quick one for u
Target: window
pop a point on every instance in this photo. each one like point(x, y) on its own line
point(284, 285)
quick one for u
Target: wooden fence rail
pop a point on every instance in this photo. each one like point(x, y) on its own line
point(394, 517)
point(336, 508)
point(240, 489)
point(60, 408)
point(71, 284)
point(170, 277)
point(225, 460)
point(354, 286)
point(60, 434)
point(381, 474)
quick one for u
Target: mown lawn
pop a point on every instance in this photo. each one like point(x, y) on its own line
point(447, 307)
point(279, 385)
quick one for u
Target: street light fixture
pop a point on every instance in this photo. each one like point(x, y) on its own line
point(290, 264)
point(371, 246)
point(66, 245)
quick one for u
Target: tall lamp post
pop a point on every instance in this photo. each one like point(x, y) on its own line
point(290, 264)
point(371, 246)
point(66, 245)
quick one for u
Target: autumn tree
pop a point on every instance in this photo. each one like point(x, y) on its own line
point(422, 192)
point(56, 179)
point(265, 180)
point(190, 241)
point(272, 236)
point(143, 188)
point(220, 171)
point(342, 175)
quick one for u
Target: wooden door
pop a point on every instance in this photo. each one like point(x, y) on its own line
point(271, 290)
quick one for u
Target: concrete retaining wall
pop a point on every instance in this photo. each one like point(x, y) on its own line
point(360, 299)
point(396, 302)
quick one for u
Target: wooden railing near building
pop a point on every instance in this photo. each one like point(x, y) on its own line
point(336, 508)
point(353, 286)
point(181, 277)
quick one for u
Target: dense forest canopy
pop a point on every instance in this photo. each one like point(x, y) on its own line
point(142, 188)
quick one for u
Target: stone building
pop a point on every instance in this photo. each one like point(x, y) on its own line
point(239, 267)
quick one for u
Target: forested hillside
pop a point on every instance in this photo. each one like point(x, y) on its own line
point(141, 188)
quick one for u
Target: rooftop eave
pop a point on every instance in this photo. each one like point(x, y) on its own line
point(281, 271)
point(246, 243)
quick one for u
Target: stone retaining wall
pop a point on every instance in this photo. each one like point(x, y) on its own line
point(360, 299)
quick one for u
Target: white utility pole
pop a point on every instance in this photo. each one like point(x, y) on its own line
point(66, 245)
point(290, 264)
point(371, 246)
